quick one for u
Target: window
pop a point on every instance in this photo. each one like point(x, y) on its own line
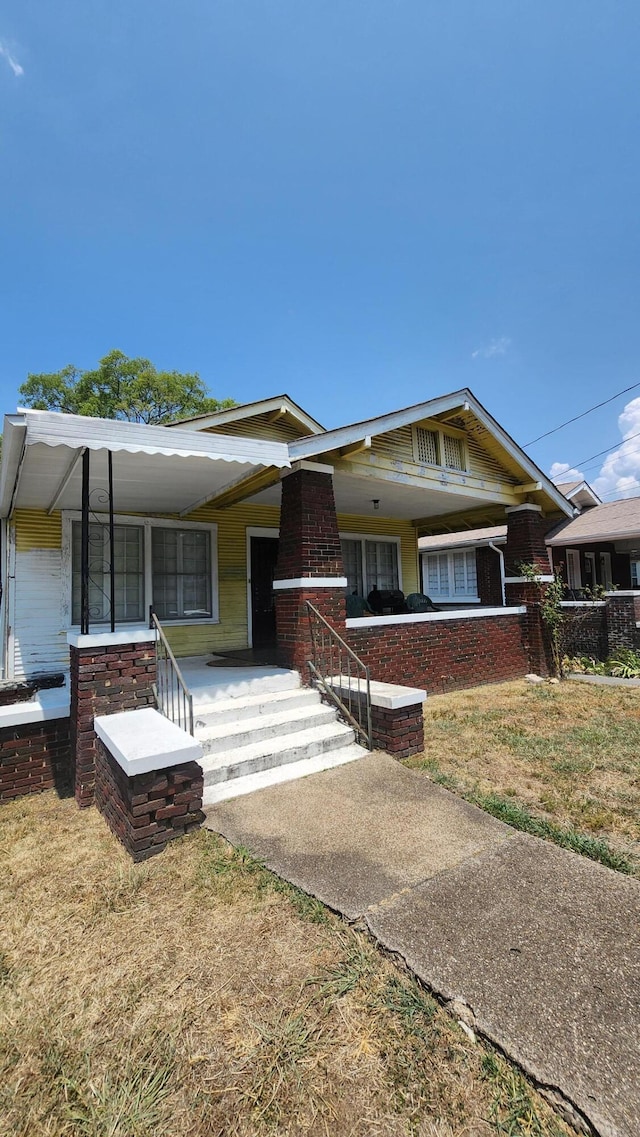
point(164, 563)
point(635, 574)
point(369, 562)
point(574, 576)
point(435, 447)
point(181, 572)
point(451, 576)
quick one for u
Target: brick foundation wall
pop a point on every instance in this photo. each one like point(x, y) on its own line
point(622, 614)
point(104, 680)
point(149, 810)
point(444, 655)
point(294, 628)
point(400, 732)
point(33, 757)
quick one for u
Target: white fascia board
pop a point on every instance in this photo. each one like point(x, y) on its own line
point(358, 431)
point(75, 431)
point(481, 543)
point(12, 446)
point(249, 410)
point(434, 617)
point(565, 538)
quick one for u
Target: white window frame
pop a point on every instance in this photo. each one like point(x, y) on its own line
point(455, 598)
point(436, 428)
point(635, 561)
point(146, 524)
point(574, 571)
point(379, 537)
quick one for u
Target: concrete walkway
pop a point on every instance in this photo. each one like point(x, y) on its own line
point(543, 946)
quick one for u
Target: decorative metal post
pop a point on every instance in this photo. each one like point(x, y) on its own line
point(84, 548)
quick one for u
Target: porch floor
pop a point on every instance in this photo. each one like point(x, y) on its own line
point(233, 681)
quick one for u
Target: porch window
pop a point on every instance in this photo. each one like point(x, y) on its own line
point(451, 576)
point(635, 574)
point(370, 563)
point(181, 569)
point(128, 558)
point(168, 564)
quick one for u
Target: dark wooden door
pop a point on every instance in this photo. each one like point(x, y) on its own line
point(264, 554)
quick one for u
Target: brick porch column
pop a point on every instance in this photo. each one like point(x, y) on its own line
point(526, 545)
point(309, 561)
point(110, 672)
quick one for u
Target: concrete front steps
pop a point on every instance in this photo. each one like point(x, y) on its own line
point(267, 737)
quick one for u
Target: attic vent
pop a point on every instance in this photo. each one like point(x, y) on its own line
point(453, 453)
point(427, 446)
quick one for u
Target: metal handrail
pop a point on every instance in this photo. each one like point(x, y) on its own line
point(173, 697)
point(344, 678)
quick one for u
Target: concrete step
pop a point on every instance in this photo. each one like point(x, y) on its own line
point(238, 762)
point(237, 682)
point(253, 706)
point(275, 775)
point(226, 737)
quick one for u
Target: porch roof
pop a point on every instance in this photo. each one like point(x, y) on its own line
point(155, 469)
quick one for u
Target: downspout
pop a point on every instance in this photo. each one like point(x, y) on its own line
point(501, 555)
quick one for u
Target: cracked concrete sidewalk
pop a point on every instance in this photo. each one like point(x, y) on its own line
point(542, 945)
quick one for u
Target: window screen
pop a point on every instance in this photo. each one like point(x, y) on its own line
point(453, 456)
point(427, 446)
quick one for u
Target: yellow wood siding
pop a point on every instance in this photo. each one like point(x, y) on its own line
point(258, 426)
point(35, 529)
point(397, 446)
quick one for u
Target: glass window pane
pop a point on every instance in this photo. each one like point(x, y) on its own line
point(181, 571)
point(381, 565)
point(128, 560)
point(352, 560)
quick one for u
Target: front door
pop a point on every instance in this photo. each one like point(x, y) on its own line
point(264, 554)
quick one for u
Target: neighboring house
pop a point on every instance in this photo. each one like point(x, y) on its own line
point(198, 507)
point(600, 547)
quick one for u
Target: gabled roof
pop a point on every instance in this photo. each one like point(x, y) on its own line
point(580, 493)
point(278, 403)
point(331, 440)
point(475, 538)
point(615, 520)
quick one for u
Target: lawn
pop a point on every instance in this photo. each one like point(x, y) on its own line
point(561, 760)
point(197, 994)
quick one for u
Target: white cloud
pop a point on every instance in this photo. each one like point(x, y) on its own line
point(13, 63)
point(495, 347)
point(620, 473)
point(563, 472)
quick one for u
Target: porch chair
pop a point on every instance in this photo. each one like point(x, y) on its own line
point(418, 602)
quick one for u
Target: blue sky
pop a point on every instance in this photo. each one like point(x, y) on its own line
point(362, 203)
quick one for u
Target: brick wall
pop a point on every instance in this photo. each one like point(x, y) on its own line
point(586, 631)
point(622, 614)
point(148, 810)
point(33, 757)
point(399, 732)
point(104, 680)
point(488, 574)
point(309, 543)
point(525, 540)
point(294, 628)
point(445, 655)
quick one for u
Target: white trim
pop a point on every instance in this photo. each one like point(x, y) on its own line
point(250, 410)
point(519, 508)
point(543, 578)
point(314, 467)
point(574, 570)
point(623, 592)
point(144, 740)
point(583, 603)
point(134, 635)
point(255, 531)
point(311, 582)
point(52, 703)
point(146, 524)
point(390, 696)
point(433, 617)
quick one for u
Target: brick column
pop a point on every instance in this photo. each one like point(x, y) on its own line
point(488, 574)
point(622, 615)
point(309, 561)
point(526, 545)
point(110, 672)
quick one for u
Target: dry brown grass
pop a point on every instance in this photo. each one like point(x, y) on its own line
point(569, 753)
point(199, 995)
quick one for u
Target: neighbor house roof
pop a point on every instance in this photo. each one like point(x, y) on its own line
point(615, 520)
point(580, 493)
point(494, 534)
point(276, 405)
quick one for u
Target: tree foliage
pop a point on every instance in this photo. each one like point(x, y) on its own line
point(121, 388)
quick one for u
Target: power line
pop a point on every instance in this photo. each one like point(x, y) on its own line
point(616, 446)
point(583, 414)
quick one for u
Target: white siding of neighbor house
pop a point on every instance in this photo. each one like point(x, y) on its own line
point(37, 634)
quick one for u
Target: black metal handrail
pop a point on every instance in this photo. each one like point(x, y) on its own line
point(343, 677)
point(173, 697)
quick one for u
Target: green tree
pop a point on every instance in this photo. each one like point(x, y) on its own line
point(121, 388)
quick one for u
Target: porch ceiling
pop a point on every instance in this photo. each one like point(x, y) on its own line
point(355, 495)
point(142, 483)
